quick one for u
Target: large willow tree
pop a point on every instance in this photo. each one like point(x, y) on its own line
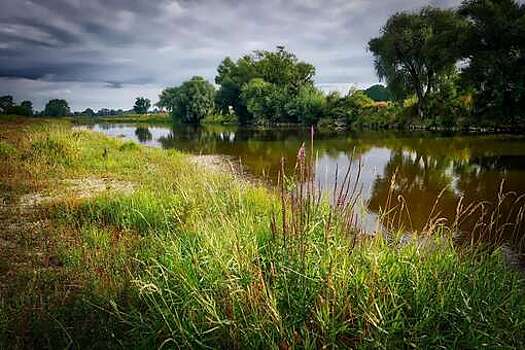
point(415, 49)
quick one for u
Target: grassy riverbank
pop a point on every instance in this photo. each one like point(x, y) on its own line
point(111, 244)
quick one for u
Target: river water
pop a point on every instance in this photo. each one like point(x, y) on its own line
point(433, 171)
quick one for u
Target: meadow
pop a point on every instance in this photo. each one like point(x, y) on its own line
point(109, 244)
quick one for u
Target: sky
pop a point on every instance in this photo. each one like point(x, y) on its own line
point(104, 53)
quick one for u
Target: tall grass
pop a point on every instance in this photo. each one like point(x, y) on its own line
point(205, 261)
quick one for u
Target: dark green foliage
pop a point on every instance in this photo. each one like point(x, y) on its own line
point(26, 108)
point(57, 108)
point(6, 103)
point(142, 105)
point(348, 108)
point(7, 106)
point(88, 113)
point(308, 106)
point(379, 92)
point(449, 105)
point(495, 49)
point(191, 102)
point(231, 77)
point(128, 146)
point(22, 110)
point(258, 86)
point(143, 134)
point(409, 54)
point(166, 99)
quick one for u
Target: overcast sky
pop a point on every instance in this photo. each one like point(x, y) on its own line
point(104, 53)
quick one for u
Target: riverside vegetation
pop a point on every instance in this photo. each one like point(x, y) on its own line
point(151, 255)
point(456, 68)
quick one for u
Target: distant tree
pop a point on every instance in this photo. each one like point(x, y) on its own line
point(494, 49)
point(6, 103)
point(414, 49)
point(88, 112)
point(57, 108)
point(103, 112)
point(26, 107)
point(379, 93)
point(142, 105)
point(193, 100)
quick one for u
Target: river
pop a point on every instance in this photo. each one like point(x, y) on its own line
point(429, 167)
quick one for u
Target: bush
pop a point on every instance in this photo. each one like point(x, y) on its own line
point(128, 146)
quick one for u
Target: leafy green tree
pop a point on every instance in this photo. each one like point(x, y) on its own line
point(142, 105)
point(6, 103)
point(379, 93)
point(167, 99)
point(57, 108)
point(279, 68)
point(415, 49)
point(266, 102)
point(256, 95)
point(193, 100)
point(450, 104)
point(231, 77)
point(27, 108)
point(308, 106)
point(494, 49)
point(283, 68)
point(347, 108)
point(88, 112)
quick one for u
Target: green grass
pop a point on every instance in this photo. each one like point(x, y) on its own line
point(196, 261)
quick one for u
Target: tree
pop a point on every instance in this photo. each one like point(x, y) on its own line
point(88, 112)
point(494, 49)
point(347, 108)
point(57, 108)
point(279, 68)
point(308, 106)
point(142, 105)
point(167, 99)
point(26, 108)
point(414, 49)
point(231, 78)
point(283, 69)
point(256, 95)
point(193, 100)
point(6, 103)
point(379, 93)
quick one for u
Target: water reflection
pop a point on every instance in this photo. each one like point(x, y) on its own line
point(425, 165)
point(143, 134)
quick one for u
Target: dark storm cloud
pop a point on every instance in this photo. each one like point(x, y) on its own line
point(120, 48)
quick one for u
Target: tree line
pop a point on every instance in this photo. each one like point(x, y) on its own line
point(442, 67)
point(60, 108)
